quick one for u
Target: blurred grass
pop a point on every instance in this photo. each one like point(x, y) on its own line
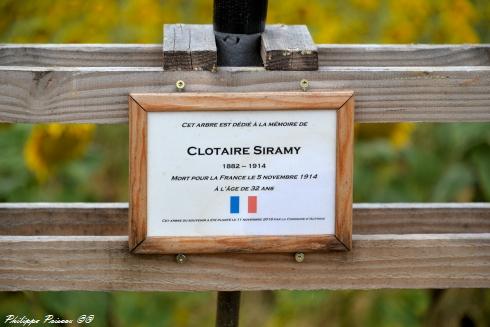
point(394, 162)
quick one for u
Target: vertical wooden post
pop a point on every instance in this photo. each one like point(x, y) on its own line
point(228, 309)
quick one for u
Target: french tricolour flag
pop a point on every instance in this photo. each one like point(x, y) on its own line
point(235, 204)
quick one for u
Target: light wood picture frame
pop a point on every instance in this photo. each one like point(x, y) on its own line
point(141, 104)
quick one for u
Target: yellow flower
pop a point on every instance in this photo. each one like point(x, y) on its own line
point(51, 145)
point(397, 133)
point(400, 137)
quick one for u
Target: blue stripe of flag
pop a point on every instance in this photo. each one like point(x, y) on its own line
point(234, 204)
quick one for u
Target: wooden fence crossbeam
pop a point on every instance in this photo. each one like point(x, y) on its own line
point(378, 261)
point(383, 94)
point(150, 55)
point(112, 218)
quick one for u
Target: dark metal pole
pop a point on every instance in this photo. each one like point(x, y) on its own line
point(237, 28)
point(228, 309)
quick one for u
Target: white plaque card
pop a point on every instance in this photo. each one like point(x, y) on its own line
point(241, 173)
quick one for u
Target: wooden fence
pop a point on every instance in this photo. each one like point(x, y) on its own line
point(82, 246)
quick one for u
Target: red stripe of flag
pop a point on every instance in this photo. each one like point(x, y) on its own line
point(252, 204)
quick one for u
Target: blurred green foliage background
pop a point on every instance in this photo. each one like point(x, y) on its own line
point(393, 162)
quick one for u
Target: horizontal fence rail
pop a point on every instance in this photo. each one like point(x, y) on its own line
point(382, 94)
point(111, 219)
point(90, 83)
point(377, 261)
point(150, 55)
point(387, 259)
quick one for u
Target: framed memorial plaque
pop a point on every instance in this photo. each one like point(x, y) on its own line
point(241, 172)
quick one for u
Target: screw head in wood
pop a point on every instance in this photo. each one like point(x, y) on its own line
point(180, 85)
point(299, 257)
point(304, 84)
point(181, 258)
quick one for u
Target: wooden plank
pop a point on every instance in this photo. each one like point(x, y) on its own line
point(151, 55)
point(99, 95)
point(219, 101)
point(239, 244)
point(288, 47)
point(64, 219)
point(343, 173)
point(418, 218)
point(112, 218)
point(372, 55)
point(377, 261)
point(138, 143)
point(189, 47)
point(81, 55)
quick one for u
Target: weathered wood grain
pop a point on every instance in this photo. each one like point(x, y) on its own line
point(99, 95)
point(219, 101)
point(377, 261)
point(343, 173)
point(151, 55)
point(112, 218)
point(419, 218)
point(239, 244)
point(64, 219)
point(138, 143)
point(372, 55)
point(81, 55)
point(189, 47)
point(288, 47)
